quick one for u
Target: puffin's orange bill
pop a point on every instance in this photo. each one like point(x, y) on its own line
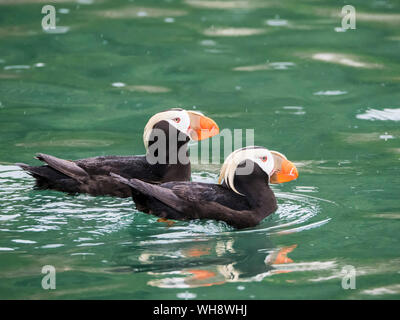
point(286, 172)
point(201, 126)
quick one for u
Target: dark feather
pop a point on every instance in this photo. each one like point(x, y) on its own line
point(195, 200)
point(69, 168)
point(92, 175)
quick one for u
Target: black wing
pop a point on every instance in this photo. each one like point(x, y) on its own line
point(90, 175)
point(190, 200)
point(127, 166)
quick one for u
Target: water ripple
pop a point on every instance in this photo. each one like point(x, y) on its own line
point(187, 254)
point(383, 115)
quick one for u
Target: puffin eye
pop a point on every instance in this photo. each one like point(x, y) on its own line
point(177, 120)
point(264, 159)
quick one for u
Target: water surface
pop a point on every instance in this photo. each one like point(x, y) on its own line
point(327, 98)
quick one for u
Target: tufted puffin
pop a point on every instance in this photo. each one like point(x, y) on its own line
point(242, 200)
point(166, 137)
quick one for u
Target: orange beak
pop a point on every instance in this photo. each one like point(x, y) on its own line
point(288, 172)
point(201, 127)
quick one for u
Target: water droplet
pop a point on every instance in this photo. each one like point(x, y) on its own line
point(386, 136)
point(208, 42)
point(186, 295)
point(118, 84)
point(63, 10)
point(17, 67)
point(23, 241)
point(330, 93)
point(276, 22)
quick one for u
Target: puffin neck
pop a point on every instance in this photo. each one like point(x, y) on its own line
point(168, 145)
point(254, 186)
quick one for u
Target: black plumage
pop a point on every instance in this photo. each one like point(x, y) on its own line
point(92, 175)
point(193, 200)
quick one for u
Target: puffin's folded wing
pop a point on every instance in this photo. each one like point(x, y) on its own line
point(166, 196)
point(210, 209)
point(69, 168)
point(237, 218)
point(186, 200)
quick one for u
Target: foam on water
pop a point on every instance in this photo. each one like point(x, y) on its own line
point(387, 114)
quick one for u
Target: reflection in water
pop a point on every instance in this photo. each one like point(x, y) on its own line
point(295, 110)
point(276, 22)
point(344, 59)
point(266, 66)
point(278, 263)
point(18, 67)
point(376, 17)
point(132, 12)
point(147, 88)
point(58, 30)
point(339, 29)
point(197, 255)
point(169, 20)
point(236, 4)
point(385, 114)
point(305, 189)
point(16, 31)
point(379, 17)
point(118, 84)
point(330, 93)
point(208, 42)
point(386, 136)
point(238, 264)
point(9, 76)
point(386, 215)
point(233, 32)
point(63, 10)
point(366, 137)
point(327, 167)
point(388, 290)
point(141, 88)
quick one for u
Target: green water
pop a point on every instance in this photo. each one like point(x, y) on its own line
point(326, 98)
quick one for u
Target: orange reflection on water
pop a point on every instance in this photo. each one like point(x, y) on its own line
point(282, 258)
point(197, 252)
point(218, 274)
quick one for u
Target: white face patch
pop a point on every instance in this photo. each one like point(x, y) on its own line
point(265, 159)
point(179, 119)
point(261, 156)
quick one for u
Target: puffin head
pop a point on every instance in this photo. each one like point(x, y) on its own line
point(191, 123)
point(275, 165)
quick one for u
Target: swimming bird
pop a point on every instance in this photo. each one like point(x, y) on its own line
point(166, 136)
point(242, 198)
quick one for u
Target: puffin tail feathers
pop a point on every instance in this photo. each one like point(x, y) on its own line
point(69, 168)
point(34, 171)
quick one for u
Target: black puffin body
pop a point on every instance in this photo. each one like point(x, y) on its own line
point(242, 200)
point(195, 200)
point(92, 175)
